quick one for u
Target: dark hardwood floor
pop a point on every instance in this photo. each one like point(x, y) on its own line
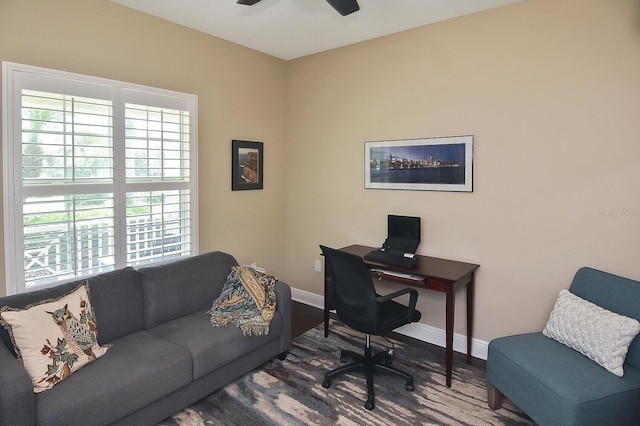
point(305, 317)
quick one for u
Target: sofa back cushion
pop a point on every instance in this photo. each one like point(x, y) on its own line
point(614, 293)
point(184, 286)
point(116, 298)
point(117, 302)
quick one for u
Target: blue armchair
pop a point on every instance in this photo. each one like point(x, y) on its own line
point(557, 385)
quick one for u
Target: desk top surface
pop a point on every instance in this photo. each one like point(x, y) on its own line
point(450, 270)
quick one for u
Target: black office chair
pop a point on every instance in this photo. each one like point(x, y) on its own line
point(353, 296)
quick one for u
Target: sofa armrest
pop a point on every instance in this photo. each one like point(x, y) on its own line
point(283, 305)
point(17, 400)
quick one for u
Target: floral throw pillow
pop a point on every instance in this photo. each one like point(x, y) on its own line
point(54, 338)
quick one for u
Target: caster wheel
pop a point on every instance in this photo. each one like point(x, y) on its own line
point(326, 383)
point(409, 386)
point(369, 405)
point(343, 359)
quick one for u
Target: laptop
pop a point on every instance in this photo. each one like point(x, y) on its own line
point(403, 238)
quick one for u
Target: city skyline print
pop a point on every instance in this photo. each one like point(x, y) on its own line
point(430, 164)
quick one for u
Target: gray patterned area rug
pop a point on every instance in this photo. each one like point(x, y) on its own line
point(290, 392)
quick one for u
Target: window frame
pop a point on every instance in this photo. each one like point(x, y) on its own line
point(121, 93)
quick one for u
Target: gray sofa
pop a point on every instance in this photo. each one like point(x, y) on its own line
point(165, 354)
point(557, 385)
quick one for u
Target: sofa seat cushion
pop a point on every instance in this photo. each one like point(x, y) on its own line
point(138, 369)
point(213, 347)
point(535, 371)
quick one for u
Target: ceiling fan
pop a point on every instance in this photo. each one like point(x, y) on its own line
point(344, 7)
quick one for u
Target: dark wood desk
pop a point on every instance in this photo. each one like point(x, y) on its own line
point(446, 276)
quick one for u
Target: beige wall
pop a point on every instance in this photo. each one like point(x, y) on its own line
point(240, 95)
point(551, 91)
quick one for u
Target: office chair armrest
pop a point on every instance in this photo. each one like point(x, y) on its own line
point(413, 299)
point(396, 294)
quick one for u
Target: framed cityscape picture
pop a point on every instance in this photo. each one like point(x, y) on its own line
point(431, 164)
point(247, 165)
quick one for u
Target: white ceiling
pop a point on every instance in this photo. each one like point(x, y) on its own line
point(290, 29)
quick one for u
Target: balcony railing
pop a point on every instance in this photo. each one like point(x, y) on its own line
point(59, 252)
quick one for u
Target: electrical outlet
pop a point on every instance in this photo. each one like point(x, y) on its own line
point(318, 266)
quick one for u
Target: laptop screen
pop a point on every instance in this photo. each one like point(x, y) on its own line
point(403, 234)
point(406, 227)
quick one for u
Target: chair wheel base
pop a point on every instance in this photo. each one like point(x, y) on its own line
point(370, 364)
point(369, 404)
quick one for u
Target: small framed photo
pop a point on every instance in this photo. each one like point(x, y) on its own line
point(247, 165)
point(432, 164)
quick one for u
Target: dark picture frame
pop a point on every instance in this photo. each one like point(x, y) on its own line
point(247, 165)
point(430, 164)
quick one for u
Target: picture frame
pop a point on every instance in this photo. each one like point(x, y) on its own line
point(247, 165)
point(429, 164)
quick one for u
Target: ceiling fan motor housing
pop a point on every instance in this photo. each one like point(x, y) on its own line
point(344, 7)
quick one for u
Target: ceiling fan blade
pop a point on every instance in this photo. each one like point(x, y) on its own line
point(344, 7)
point(248, 2)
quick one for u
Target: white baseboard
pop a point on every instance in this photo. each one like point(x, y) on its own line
point(426, 333)
point(307, 298)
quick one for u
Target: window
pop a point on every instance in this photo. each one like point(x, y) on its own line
point(98, 175)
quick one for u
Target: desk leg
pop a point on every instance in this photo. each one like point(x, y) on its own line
point(470, 297)
point(326, 302)
point(326, 321)
point(451, 303)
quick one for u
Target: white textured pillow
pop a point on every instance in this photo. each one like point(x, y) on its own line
point(595, 332)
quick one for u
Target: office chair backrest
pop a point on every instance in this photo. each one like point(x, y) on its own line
point(350, 288)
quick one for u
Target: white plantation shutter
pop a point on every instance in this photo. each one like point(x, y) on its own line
point(98, 175)
point(67, 236)
point(157, 158)
point(65, 138)
point(157, 143)
point(159, 225)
